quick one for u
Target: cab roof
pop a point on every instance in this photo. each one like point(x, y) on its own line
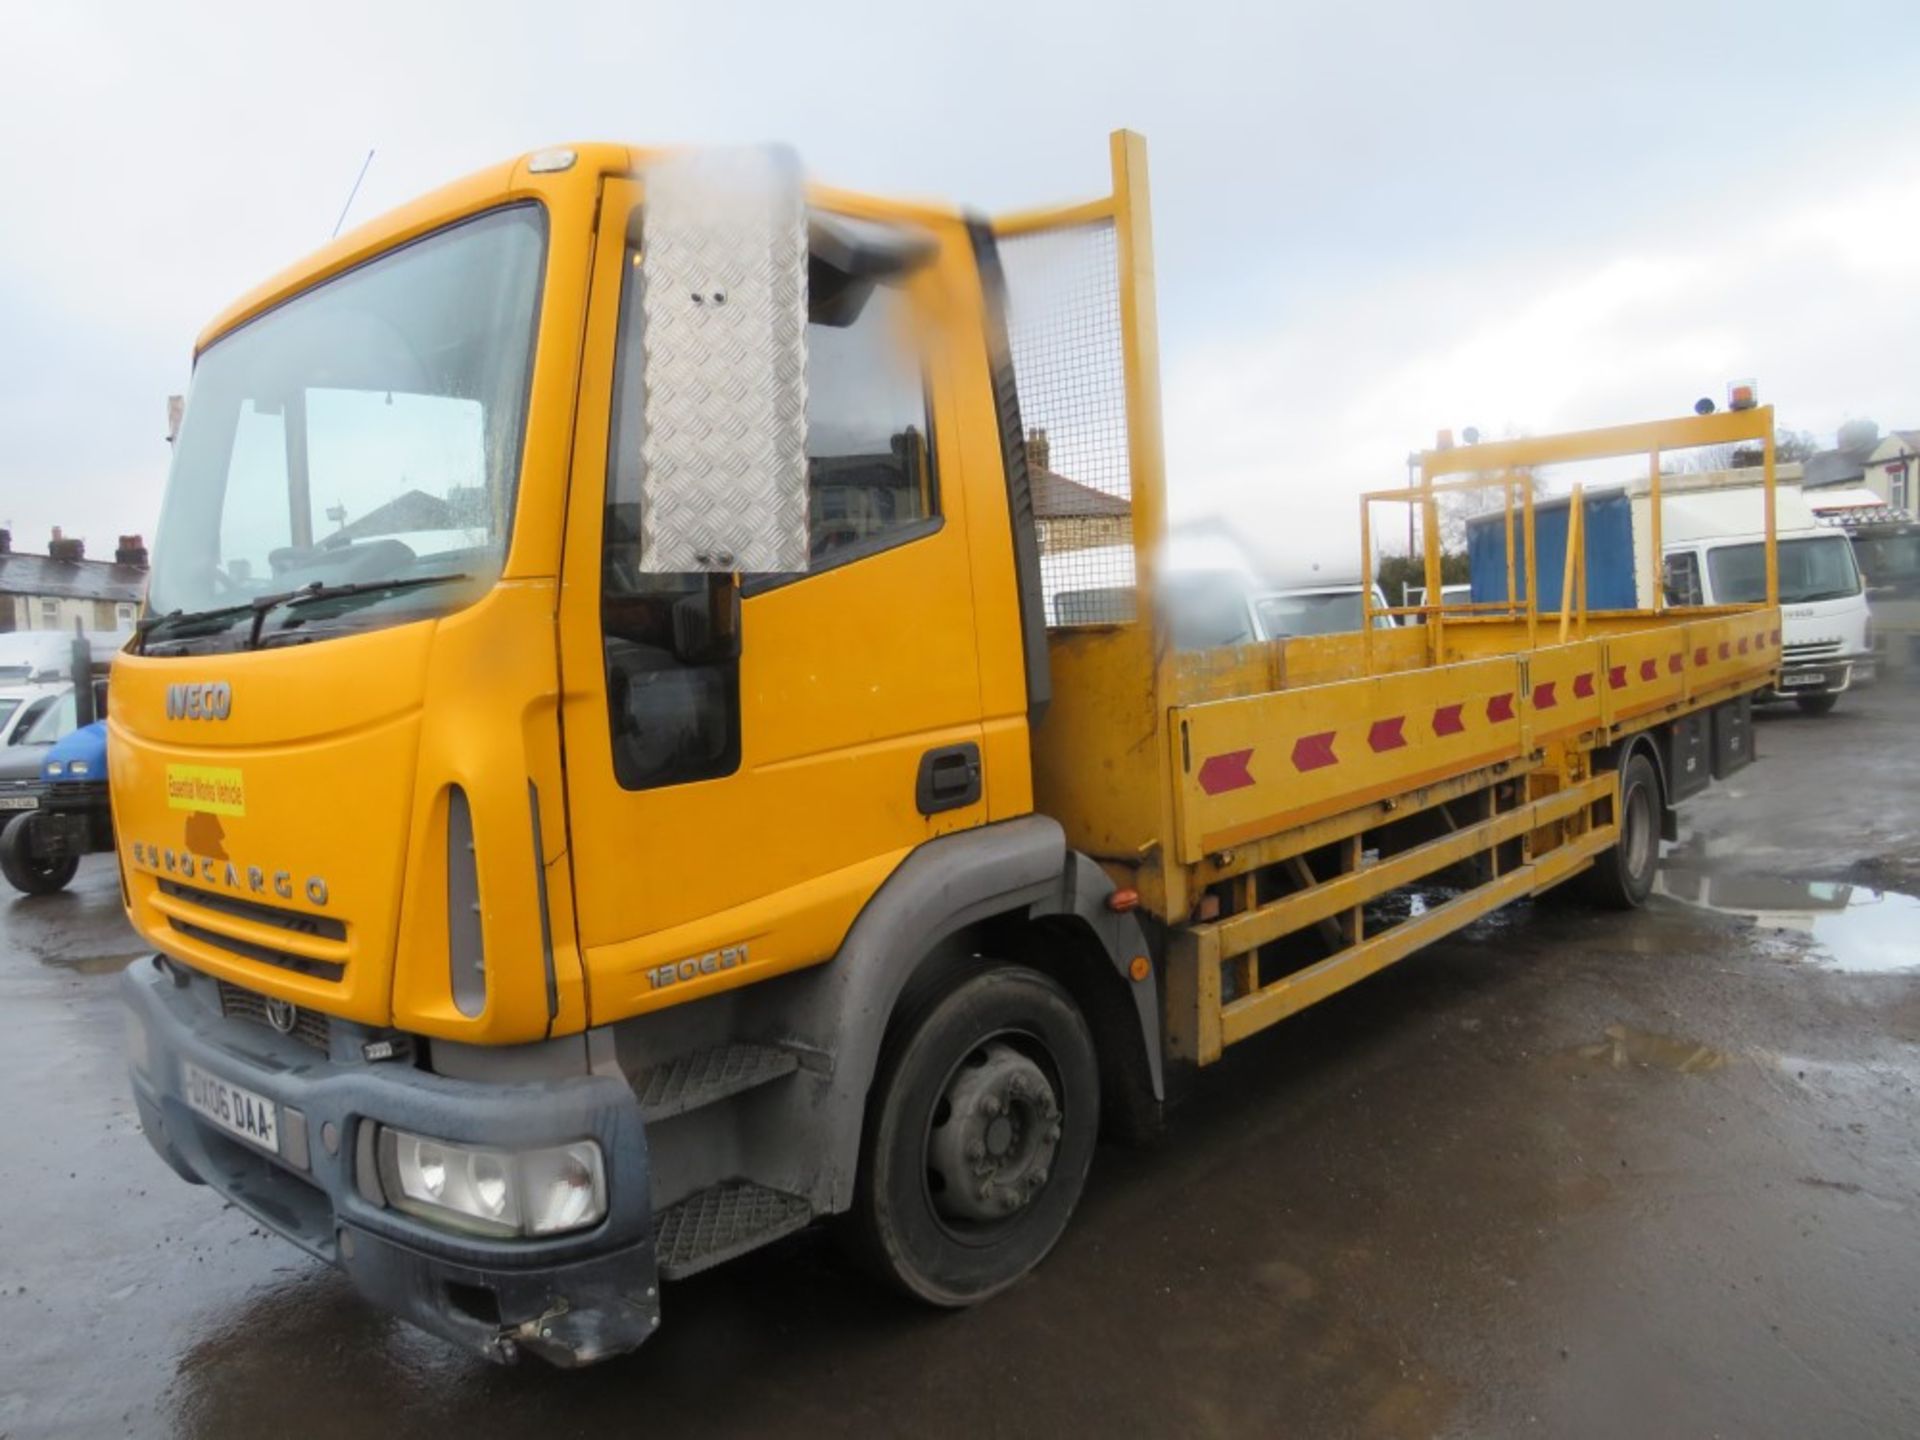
point(514, 179)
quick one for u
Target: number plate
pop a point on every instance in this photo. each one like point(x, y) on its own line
point(19, 802)
point(1794, 678)
point(235, 1110)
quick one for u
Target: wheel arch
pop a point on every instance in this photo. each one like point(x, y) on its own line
point(1009, 891)
point(1645, 742)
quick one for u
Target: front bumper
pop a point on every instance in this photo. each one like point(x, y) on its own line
point(1815, 677)
point(570, 1299)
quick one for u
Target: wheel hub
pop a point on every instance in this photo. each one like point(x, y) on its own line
point(994, 1136)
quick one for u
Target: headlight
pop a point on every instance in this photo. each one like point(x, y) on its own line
point(55, 770)
point(78, 767)
point(494, 1192)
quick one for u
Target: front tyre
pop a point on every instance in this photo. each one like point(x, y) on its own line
point(1622, 874)
point(979, 1132)
point(25, 871)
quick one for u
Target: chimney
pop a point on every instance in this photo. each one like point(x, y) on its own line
point(6, 541)
point(1039, 452)
point(132, 550)
point(61, 548)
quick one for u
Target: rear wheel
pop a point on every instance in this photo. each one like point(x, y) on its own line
point(24, 871)
point(978, 1138)
point(1816, 704)
point(1622, 875)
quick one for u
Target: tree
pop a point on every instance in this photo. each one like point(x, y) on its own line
point(1400, 571)
point(1790, 447)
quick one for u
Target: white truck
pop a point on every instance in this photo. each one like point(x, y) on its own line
point(1713, 548)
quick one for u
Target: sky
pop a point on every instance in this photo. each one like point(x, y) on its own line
point(1372, 221)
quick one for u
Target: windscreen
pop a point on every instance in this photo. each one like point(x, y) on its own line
point(1327, 613)
point(50, 723)
point(350, 458)
point(1890, 561)
point(1820, 568)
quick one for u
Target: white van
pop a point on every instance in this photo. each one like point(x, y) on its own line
point(36, 684)
point(1317, 610)
point(1206, 590)
point(1713, 544)
point(1453, 597)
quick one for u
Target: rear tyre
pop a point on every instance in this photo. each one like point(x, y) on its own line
point(1816, 704)
point(1622, 875)
point(25, 872)
point(979, 1133)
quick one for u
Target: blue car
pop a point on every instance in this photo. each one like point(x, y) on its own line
point(40, 850)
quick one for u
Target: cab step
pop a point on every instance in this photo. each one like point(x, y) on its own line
point(702, 1077)
point(723, 1221)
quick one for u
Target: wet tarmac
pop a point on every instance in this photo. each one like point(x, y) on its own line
point(1567, 1174)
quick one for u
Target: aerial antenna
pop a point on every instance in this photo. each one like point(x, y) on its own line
point(351, 193)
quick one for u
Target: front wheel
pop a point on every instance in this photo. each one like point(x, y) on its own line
point(1622, 874)
point(1816, 704)
point(25, 871)
point(979, 1134)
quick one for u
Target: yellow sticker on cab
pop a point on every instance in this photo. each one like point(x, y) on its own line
point(215, 789)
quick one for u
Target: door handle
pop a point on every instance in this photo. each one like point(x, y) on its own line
point(949, 778)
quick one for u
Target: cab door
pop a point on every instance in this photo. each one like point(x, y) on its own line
point(730, 815)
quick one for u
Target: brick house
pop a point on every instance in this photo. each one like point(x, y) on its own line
point(1070, 515)
point(54, 590)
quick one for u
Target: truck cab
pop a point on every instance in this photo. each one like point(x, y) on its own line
point(1715, 554)
point(420, 745)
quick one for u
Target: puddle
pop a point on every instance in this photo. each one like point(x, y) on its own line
point(94, 964)
point(1854, 928)
point(1624, 1049)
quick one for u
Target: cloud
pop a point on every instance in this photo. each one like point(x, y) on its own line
point(1370, 220)
point(1819, 300)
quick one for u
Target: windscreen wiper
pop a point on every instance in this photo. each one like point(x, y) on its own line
point(257, 606)
point(320, 590)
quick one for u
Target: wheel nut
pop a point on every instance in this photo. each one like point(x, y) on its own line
point(976, 1151)
point(990, 1106)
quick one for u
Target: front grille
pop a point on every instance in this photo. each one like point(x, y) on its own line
point(309, 1026)
point(294, 922)
point(1810, 650)
point(265, 954)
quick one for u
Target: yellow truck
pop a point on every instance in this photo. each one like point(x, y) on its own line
point(607, 786)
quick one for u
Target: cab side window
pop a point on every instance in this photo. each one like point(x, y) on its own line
point(870, 466)
point(1683, 579)
point(674, 709)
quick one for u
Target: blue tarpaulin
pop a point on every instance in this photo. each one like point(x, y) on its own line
point(1608, 523)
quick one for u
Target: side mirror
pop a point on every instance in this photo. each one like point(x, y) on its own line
point(706, 623)
point(724, 310)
